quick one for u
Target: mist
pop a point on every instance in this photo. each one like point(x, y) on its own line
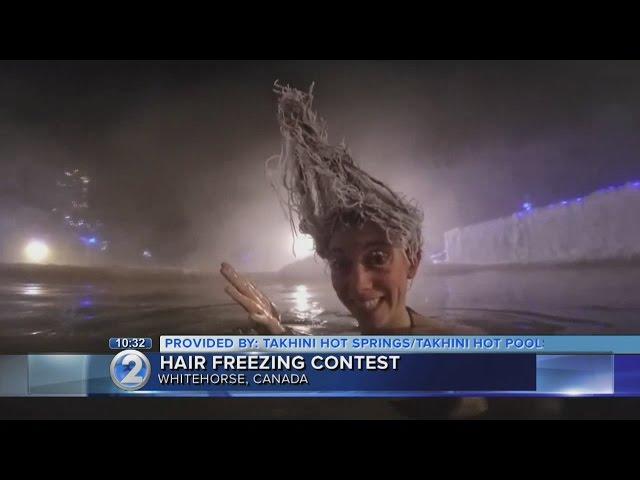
point(175, 150)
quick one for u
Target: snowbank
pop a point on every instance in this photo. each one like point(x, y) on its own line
point(603, 225)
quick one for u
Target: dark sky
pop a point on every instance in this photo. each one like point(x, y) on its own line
point(176, 149)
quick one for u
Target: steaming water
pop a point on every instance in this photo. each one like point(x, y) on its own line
point(57, 312)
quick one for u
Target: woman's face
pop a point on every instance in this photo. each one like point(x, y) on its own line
point(370, 277)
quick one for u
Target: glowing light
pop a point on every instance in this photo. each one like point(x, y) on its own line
point(146, 254)
point(527, 206)
point(32, 289)
point(36, 251)
point(303, 246)
point(86, 302)
point(89, 241)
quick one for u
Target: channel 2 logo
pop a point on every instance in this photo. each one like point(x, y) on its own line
point(130, 370)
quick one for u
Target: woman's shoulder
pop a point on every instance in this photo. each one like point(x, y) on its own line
point(432, 325)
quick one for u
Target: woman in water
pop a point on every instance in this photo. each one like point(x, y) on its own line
point(370, 236)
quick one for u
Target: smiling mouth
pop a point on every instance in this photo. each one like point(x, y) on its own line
point(369, 305)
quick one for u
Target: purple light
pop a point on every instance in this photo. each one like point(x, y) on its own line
point(528, 206)
point(89, 241)
point(86, 302)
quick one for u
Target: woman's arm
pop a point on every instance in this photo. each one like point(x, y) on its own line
point(263, 313)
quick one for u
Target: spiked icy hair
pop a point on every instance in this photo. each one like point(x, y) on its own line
point(325, 189)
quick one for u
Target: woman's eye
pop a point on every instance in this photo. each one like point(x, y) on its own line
point(377, 258)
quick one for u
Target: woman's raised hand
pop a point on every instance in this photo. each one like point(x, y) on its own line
point(262, 312)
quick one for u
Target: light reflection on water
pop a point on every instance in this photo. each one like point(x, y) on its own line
point(32, 289)
point(605, 301)
point(51, 311)
point(302, 298)
point(305, 307)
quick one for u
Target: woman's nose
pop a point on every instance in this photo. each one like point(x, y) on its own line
point(360, 279)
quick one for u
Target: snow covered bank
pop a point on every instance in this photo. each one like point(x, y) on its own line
point(603, 225)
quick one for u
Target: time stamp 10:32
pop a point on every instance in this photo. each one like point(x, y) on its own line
point(124, 343)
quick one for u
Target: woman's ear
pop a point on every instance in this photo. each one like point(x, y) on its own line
point(414, 264)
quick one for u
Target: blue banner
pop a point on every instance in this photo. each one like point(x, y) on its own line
point(339, 373)
point(544, 344)
point(133, 372)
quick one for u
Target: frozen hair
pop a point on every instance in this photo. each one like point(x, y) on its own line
point(325, 190)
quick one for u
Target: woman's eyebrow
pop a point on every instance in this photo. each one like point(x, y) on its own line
point(376, 243)
point(373, 243)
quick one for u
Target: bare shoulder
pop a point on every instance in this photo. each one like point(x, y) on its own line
point(423, 325)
